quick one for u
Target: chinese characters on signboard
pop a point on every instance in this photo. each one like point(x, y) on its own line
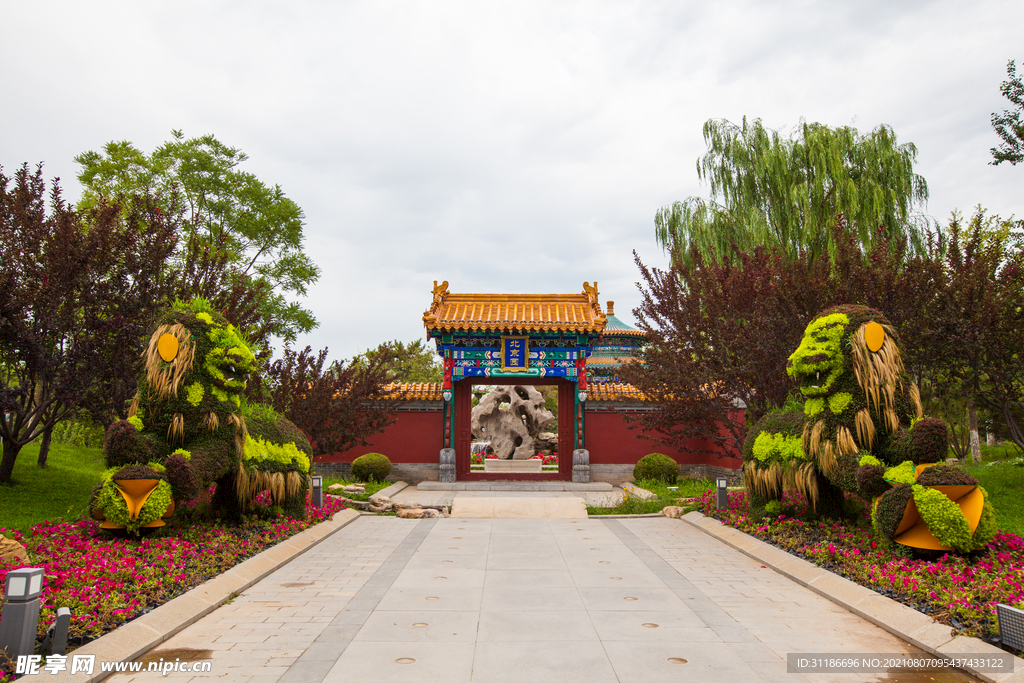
point(515, 354)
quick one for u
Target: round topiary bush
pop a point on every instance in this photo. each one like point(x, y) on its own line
point(371, 467)
point(656, 466)
point(929, 441)
point(871, 481)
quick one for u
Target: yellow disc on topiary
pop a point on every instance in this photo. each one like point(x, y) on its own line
point(874, 335)
point(167, 345)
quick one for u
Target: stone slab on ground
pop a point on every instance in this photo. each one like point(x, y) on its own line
point(413, 495)
point(514, 486)
point(487, 600)
point(148, 631)
point(904, 622)
point(518, 507)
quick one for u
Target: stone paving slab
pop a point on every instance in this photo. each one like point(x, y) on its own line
point(514, 486)
point(389, 599)
point(604, 498)
point(143, 634)
point(518, 507)
point(904, 622)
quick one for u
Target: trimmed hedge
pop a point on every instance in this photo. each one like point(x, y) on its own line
point(929, 441)
point(889, 509)
point(871, 481)
point(946, 475)
point(371, 467)
point(656, 466)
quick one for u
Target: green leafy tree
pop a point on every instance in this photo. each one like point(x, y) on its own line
point(237, 231)
point(1010, 125)
point(414, 362)
point(786, 193)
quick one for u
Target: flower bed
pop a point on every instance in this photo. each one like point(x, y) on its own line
point(959, 591)
point(106, 582)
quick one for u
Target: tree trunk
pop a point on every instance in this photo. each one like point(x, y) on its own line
point(972, 417)
point(44, 447)
point(7, 461)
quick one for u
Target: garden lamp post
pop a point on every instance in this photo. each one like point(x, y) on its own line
point(1011, 626)
point(722, 494)
point(318, 491)
point(21, 612)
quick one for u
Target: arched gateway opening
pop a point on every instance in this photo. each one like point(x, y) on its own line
point(514, 339)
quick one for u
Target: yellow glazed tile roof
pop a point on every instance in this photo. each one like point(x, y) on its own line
point(415, 392)
point(533, 312)
point(595, 391)
point(614, 392)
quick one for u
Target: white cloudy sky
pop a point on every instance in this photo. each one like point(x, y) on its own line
point(500, 146)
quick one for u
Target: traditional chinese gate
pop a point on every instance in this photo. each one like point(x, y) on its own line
point(514, 339)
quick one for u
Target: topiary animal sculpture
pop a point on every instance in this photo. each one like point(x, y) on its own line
point(188, 423)
point(861, 415)
point(856, 398)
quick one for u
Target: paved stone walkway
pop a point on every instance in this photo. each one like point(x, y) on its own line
point(493, 600)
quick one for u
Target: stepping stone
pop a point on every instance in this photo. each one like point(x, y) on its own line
point(519, 507)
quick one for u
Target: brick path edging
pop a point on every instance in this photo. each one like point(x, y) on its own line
point(128, 642)
point(903, 622)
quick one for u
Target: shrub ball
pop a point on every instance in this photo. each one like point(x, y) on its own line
point(371, 467)
point(946, 475)
point(871, 481)
point(182, 478)
point(656, 466)
point(123, 447)
point(929, 441)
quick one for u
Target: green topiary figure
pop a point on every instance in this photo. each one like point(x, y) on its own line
point(861, 432)
point(188, 421)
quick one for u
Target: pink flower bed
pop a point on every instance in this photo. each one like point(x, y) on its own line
point(955, 590)
point(106, 581)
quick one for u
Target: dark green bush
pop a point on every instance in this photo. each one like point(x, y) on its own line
point(182, 477)
point(888, 513)
point(371, 467)
point(656, 466)
point(946, 475)
point(136, 472)
point(871, 481)
point(929, 441)
point(123, 446)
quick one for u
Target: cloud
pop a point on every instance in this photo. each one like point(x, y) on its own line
point(503, 147)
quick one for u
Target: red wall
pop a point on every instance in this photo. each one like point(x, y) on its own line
point(416, 437)
point(611, 442)
point(413, 437)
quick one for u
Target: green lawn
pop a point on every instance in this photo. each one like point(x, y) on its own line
point(58, 491)
point(1001, 473)
point(631, 505)
point(371, 487)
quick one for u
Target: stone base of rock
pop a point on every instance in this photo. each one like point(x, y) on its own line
point(513, 466)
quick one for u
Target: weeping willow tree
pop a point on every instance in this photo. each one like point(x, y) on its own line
point(786, 193)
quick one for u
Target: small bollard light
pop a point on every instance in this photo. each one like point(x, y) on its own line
point(1011, 626)
point(20, 617)
point(318, 491)
point(722, 497)
point(56, 640)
